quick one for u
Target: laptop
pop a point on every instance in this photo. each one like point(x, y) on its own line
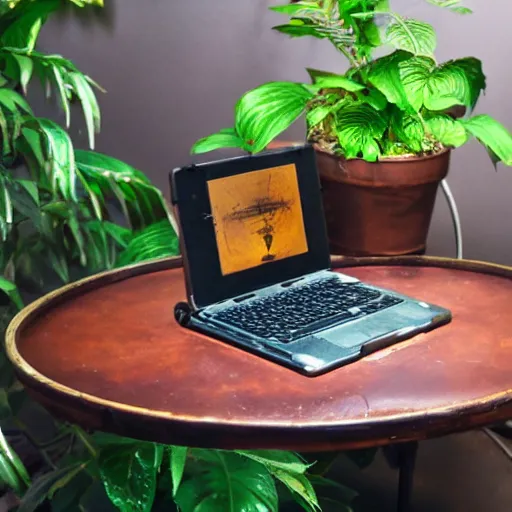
point(258, 273)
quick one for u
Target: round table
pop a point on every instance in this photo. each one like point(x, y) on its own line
point(106, 353)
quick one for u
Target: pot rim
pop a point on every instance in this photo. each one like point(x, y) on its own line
point(398, 159)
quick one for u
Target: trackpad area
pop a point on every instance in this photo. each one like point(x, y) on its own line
point(406, 317)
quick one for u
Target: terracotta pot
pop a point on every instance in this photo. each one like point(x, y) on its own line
point(382, 208)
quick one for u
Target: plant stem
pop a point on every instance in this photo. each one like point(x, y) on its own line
point(350, 58)
point(85, 439)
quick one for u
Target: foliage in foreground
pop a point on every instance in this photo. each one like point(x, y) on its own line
point(404, 103)
point(140, 477)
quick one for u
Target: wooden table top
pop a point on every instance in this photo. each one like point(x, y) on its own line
point(107, 354)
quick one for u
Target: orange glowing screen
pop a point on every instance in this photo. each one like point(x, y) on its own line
point(258, 218)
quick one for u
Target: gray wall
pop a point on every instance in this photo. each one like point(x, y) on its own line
point(173, 70)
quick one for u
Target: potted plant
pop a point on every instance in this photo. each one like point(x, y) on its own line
point(383, 130)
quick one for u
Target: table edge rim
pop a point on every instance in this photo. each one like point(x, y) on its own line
point(41, 383)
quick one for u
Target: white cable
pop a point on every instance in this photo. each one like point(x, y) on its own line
point(497, 439)
point(455, 217)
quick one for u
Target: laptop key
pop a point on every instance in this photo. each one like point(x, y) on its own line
point(297, 311)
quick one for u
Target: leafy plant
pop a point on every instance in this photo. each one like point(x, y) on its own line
point(402, 104)
point(58, 207)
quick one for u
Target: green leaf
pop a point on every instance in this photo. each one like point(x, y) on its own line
point(141, 202)
point(100, 253)
point(318, 114)
point(372, 34)
point(299, 486)
point(10, 67)
point(14, 101)
point(415, 74)
point(33, 140)
point(412, 36)
point(297, 8)
point(31, 188)
point(493, 135)
point(316, 74)
point(408, 129)
point(61, 87)
point(59, 263)
point(223, 139)
point(83, 3)
point(453, 5)
point(57, 209)
point(155, 241)
point(385, 75)
point(4, 128)
point(159, 456)
point(226, 482)
point(129, 475)
point(371, 151)
point(357, 127)
point(46, 485)
point(457, 82)
point(89, 104)
point(61, 158)
point(23, 31)
point(289, 468)
point(338, 82)
point(263, 113)
point(410, 81)
point(178, 459)
point(76, 231)
point(104, 439)
point(276, 459)
point(372, 97)
point(6, 207)
point(9, 477)
point(24, 203)
point(120, 234)
point(462, 10)
point(95, 196)
point(300, 29)
point(26, 68)
point(447, 131)
point(97, 164)
point(11, 467)
point(11, 290)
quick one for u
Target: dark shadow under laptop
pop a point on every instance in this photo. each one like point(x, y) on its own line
point(258, 271)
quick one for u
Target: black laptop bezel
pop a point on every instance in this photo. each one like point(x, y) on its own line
point(189, 192)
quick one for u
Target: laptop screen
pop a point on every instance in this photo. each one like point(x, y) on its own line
point(249, 222)
point(258, 218)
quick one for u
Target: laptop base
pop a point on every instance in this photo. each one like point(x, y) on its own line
point(324, 349)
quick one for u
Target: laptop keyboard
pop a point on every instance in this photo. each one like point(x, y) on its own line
point(289, 314)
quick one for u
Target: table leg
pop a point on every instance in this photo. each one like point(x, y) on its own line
point(406, 460)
